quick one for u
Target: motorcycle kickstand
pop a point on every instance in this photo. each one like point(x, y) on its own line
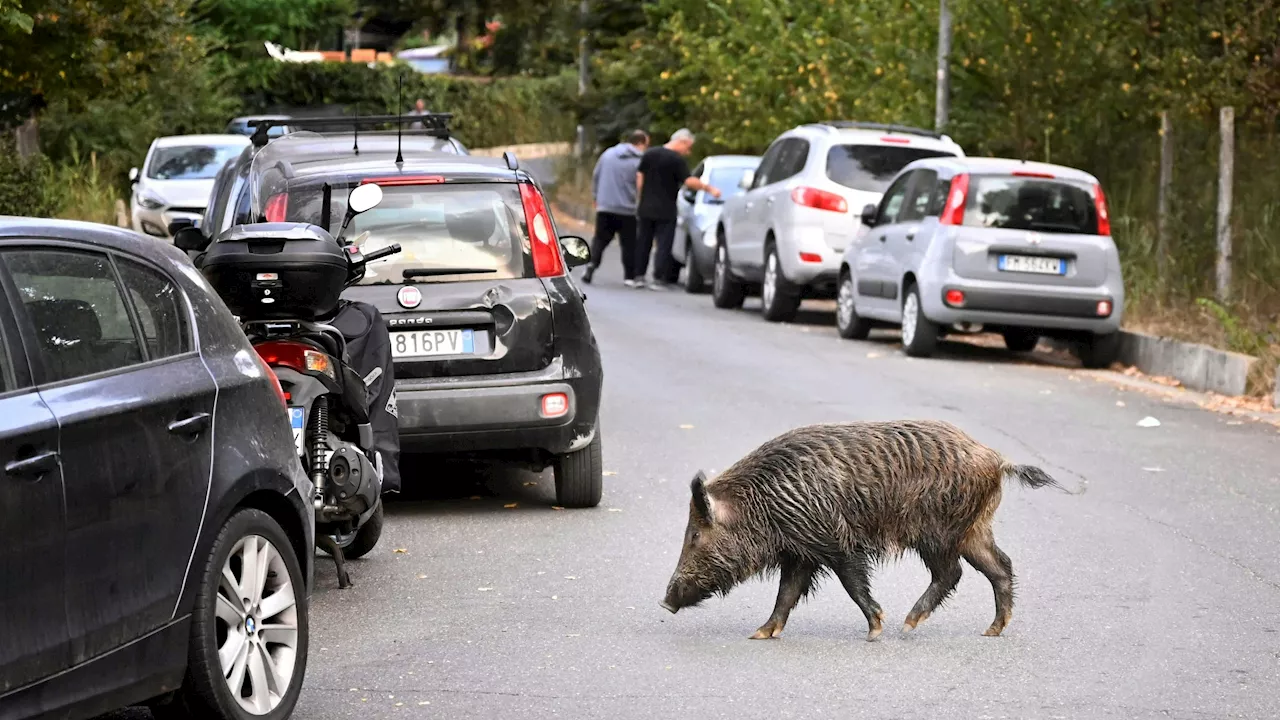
point(331, 546)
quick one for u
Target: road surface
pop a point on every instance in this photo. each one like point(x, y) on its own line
point(1153, 590)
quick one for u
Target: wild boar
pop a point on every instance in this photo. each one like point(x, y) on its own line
point(841, 498)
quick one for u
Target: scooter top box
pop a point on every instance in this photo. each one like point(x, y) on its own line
point(277, 271)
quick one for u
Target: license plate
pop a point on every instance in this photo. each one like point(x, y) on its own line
point(429, 343)
point(298, 420)
point(1032, 264)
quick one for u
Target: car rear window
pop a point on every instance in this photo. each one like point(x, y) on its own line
point(478, 227)
point(872, 167)
point(1040, 204)
point(190, 162)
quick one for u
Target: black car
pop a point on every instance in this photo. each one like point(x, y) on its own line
point(156, 526)
point(494, 352)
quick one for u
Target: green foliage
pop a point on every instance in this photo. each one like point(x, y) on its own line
point(26, 188)
point(242, 26)
point(12, 19)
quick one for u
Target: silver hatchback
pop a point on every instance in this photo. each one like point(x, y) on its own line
point(1023, 249)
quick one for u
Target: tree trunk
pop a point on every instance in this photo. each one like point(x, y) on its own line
point(27, 138)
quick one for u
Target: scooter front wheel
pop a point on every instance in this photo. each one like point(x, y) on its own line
point(362, 541)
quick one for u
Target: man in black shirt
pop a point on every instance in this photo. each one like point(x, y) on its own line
point(662, 172)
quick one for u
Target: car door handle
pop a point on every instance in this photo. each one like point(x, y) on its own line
point(33, 467)
point(911, 236)
point(881, 238)
point(770, 201)
point(193, 425)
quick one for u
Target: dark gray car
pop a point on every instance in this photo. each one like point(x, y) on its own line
point(156, 524)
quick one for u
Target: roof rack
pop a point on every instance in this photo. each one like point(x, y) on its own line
point(906, 129)
point(433, 124)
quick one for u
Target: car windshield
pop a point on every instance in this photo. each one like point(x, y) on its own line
point(1022, 203)
point(726, 179)
point(190, 162)
point(872, 167)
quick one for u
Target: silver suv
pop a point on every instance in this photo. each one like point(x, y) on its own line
point(1023, 249)
point(787, 231)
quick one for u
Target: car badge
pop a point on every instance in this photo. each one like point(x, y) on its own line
point(1033, 238)
point(409, 297)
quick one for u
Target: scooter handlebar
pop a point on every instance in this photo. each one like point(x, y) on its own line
point(382, 252)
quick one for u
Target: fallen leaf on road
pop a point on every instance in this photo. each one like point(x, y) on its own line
point(400, 551)
point(615, 509)
point(1119, 403)
point(1148, 422)
point(422, 577)
point(399, 704)
point(555, 597)
point(1235, 422)
point(873, 355)
point(609, 473)
point(556, 507)
point(570, 577)
point(1153, 469)
point(531, 483)
point(510, 505)
point(425, 702)
point(484, 589)
point(686, 427)
point(355, 689)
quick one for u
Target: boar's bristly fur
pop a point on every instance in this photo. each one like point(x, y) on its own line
point(840, 498)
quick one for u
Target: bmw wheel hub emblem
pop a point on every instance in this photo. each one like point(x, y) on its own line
point(250, 626)
point(409, 297)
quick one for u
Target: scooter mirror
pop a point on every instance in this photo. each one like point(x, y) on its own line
point(364, 198)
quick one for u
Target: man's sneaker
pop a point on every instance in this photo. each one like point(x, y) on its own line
point(660, 286)
point(586, 275)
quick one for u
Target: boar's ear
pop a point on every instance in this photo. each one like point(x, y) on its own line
point(701, 501)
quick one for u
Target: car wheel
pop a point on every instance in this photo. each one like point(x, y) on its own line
point(249, 634)
point(362, 541)
point(1020, 340)
point(694, 283)
point(580, 476)
point(726, 292)
point(919, 334)
point(1099, 351)
point(849, 325)
point(779, 299)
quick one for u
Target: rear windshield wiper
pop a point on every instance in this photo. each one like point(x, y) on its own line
point(436, 272)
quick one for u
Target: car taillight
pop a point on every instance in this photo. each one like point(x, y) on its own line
point(810, 257)
point(953, 212)
point(1104, 219)
point(819, 199)
point(275, 385)
point(954, 298)
point(547, 261)
point(296, 356)
point(277, 208)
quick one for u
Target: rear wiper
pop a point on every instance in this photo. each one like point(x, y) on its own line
point(435, 272)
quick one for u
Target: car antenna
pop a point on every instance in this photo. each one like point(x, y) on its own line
point(399, 115)
point(355, 129)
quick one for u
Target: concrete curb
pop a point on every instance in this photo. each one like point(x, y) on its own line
point(529, 151)
point(1198, 367)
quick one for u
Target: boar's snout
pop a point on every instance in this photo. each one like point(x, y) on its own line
point(669, 607)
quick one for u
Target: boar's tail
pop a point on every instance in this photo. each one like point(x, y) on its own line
point(1030, 476)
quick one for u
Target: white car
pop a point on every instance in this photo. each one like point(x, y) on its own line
point(177, 178)
point(788, 231)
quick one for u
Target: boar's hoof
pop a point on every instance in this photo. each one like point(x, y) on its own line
point(993, 631)
point(873, 634)
point(767, 631)
point(912, 621)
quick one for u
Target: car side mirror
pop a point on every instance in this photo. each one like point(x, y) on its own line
point(690, 195)
point(748, 177)
point(577, 251)
point(178, 225)
point(869, 216)
point(190, 239)
point(133, 175)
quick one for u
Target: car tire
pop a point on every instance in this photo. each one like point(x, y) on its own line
point(580, 476)
point(919, 333)
point(848, 323)
point(726, 292)
point(1020, 340)
point(1099, 351)
point(694, 282)
point(366, 538)
point(206, 692)
point(779, 299)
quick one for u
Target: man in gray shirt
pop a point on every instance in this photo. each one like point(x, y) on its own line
point(613, 188)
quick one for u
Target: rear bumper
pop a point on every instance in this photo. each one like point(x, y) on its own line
point(997, 304)
point(496, 412)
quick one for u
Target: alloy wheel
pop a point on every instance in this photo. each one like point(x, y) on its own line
point(722, 263)
point(770, 290)
point(257, 625)
point(844, 302)
point(910, 317)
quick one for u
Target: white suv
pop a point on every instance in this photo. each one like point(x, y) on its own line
point(787, 232)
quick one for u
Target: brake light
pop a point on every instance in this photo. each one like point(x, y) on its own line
point(404, 180)
point(955, 298)
point(1020, 173)
point(898, 140)
point(277, 208)
point(296, 356)
point(1104, 218)
point(819, 199)
point(547, 260)
point(953, 213)
point(810, 257)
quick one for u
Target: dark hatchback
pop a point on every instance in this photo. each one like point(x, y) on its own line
point(494, 353)
point(156, 526)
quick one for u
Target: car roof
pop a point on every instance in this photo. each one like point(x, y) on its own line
point(318, 156)
point(106, 236)
point(732, 160)
point(1003, 166)
point(246, 118)
point(875, 134)
point(185, 140)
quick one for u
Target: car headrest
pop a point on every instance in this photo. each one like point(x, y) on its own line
point(61, 322)
point(472, 224)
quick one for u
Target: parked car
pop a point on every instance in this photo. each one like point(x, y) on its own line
point(786, 233)
point(494, 353)
point(176, 179)
point(157, 526)
point(241, 126)
point(698, 213)
point(1023, 249)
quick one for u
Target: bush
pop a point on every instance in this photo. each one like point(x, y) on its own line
point(503, 111)
point(26, 186)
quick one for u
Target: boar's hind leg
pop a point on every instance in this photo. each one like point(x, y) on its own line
point(854, 576)
point(945, 568)
point(797, 579)
point(982, 553)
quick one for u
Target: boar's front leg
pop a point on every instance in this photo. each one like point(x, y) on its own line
point(854, 574)
point(944, 566)
point(797, 579)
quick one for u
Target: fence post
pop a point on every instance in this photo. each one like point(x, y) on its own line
point(1162, 202)
point(1226, 171)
